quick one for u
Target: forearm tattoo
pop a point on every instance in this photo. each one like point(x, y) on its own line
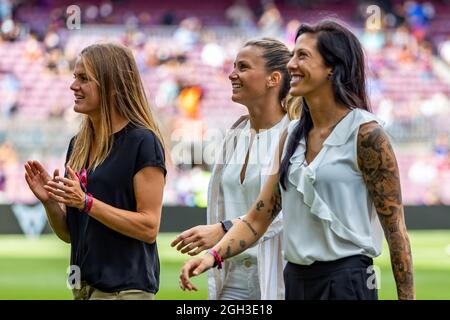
point(400, 252)
point(229, 250)
point(232, 249)
point(259, 205)
point(250, 227)
point(228, 254)
point(379, 168)
point(275, 202)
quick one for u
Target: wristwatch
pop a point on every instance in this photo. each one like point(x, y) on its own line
point(226, 225)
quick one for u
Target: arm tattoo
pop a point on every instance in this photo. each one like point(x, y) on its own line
point(276, 202)
point(250, 227)
point(228, 254)
point(379, 168)
point(231, 248)
point(228, 251)
point(400, 251)
point(260, 205)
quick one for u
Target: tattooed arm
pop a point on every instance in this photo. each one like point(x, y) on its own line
point(247, 231)
point(243, 234)
point(378, 165)
point(199, 238)
point(255, 223)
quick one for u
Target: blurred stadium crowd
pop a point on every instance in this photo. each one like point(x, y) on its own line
point(185, 50)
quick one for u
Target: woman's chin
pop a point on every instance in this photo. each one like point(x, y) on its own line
point(78, 109)
point(296, 92)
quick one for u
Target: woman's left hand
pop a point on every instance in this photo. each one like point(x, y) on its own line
point(67, 190)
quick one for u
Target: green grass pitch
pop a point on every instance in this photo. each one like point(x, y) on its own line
point(36, 268)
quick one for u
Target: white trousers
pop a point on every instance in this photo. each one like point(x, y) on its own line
point(242, 282)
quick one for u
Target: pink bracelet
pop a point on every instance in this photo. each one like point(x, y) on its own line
point(88, 201)
point(218, 259)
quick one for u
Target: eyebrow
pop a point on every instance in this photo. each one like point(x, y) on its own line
point(302, 49)
point(240, 61)
point(79, 74)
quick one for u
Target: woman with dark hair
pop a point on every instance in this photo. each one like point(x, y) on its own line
point(339, 179)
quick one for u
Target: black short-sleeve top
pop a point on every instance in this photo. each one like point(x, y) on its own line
point(108, 260)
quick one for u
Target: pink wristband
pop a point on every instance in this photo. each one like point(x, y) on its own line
point(218, 259)
point(89, 200)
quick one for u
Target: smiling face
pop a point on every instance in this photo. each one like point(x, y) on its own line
point(87, 98)
point(307, 68)
point(249, 76)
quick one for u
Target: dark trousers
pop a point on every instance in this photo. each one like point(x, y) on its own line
point(349, 278)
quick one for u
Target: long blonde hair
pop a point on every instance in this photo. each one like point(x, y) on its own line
point(293, 106)
point(113, 69)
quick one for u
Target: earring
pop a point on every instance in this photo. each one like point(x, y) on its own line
point(329, 75)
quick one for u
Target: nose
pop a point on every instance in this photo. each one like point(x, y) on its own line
point(292, 64)
point(75, 85)
point(233, 75)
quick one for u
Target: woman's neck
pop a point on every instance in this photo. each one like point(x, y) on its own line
point(118, 123)
point(265, 115)
point(325, 111)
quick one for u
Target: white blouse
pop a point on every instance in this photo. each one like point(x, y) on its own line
point(328, 213)
point(269, 247)
point(239, 197)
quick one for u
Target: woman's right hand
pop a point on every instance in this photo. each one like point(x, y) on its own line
point(199, 238)
point(195, 267)
point(37, 177)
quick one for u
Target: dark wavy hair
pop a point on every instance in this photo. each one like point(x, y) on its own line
point(342, 51)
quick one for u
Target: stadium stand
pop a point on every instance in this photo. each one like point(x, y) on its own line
point(186, 49)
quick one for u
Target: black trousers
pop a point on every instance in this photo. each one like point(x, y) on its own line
point(349, 278)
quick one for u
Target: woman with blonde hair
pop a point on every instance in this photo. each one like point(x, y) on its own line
point(108, 204)
point(260, 81)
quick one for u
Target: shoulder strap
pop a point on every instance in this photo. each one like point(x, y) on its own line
point(240, 120)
